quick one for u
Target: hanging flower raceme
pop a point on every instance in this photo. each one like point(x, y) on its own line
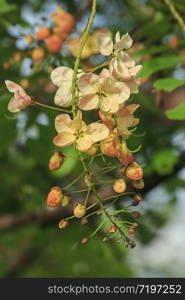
point(100, 91)
point(20, 100)
point(76, 131)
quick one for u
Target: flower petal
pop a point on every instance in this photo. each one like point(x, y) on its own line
point(83, 143)
point(97, 131)
point(104, 44)
point(62, 76)
point(124, 43)
point(64, 139)
point(63, 97)
point(88, 102)
point(13, 105)
point(133, 85)
point(109, 104)
point(60, 120)
point(135, 70)
point(88, 83)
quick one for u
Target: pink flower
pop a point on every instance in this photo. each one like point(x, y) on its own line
point(101, 91)
point(76, 131)
point(20, 100)
point(126, 119)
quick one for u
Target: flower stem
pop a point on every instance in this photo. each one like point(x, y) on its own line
point(104, 64)
point(51, 107)
point(77, 62)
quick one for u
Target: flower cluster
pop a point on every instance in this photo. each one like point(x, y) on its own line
point(107, 93)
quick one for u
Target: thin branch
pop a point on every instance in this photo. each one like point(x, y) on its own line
point(175, 14)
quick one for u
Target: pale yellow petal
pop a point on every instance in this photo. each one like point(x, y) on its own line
point(88, 83)
point(60, 120)
point(83, 143)
point(64, 139)
point(62, 76)
point(63, 97)
point(97, 131)
point(104, 44)
point(88, 102)
point(124, 43)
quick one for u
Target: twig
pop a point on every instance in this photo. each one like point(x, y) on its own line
point(175, 14)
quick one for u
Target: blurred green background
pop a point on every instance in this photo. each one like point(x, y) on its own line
point(31, 245)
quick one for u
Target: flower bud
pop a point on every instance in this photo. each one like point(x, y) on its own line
point(54, 43)
point(139, 184)
point(63, 224)
point(92, 150)
point(134, 171)
point(137, 199)
point(125, 157)
point(135, 225)
point(28, 38)
point(66, 200)
point(108, 146)
point(136, 214)
point(84, 221)
point(131, 230)
point(56, 160)
point(38, 54)
point(54, 197)
point(112, 229)
point(84, 240)
point(107, 119)
point(42, 33)
point(88, 179)
point(119, 185)
point(79, 210)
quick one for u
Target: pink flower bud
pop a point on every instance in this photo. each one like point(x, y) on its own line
point(84, 240)
point(54, 197)
point(79, 210)
point(119, 185)
point(92, 150)
point(112, 229)
point(56, 160)
point(125, 157)
point(108, 146)
point(134, 171)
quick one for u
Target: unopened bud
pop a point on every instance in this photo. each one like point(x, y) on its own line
point(88, 179)
point(55, 196)
point(112, 229)
point(135, 225)
point(139, 184)
point(84, 221)
point(84, 240)
point(92, 151)
point(119, 185)
point(63, 224)
point(134, 171)
point(79, 210)
point(66, 200)
point(108, 146)
point(137, 199)
point(136, 214)
point(131, 230)
point(56, 160)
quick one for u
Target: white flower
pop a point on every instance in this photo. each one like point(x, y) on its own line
point(70, 131)
point(101, 91)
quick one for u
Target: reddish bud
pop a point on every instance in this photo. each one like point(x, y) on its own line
point(54, 43)
point(108, 146)
point(112, 229)
point(54, 197)
point(174, 42)
point(56, 160)
point(135, 225)
point(136, 214)
point(42, 33)
point(63, 224)
point(84, 240)
point(131, 231)
point(107, 119)
point(79, 210)
point(119, 185)
point(134, 171)
point(137, 199)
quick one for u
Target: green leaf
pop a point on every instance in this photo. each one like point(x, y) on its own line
point(168, 84)
point(6, 7)
point(164, 161)
point(177, 113)
point(158, 64)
